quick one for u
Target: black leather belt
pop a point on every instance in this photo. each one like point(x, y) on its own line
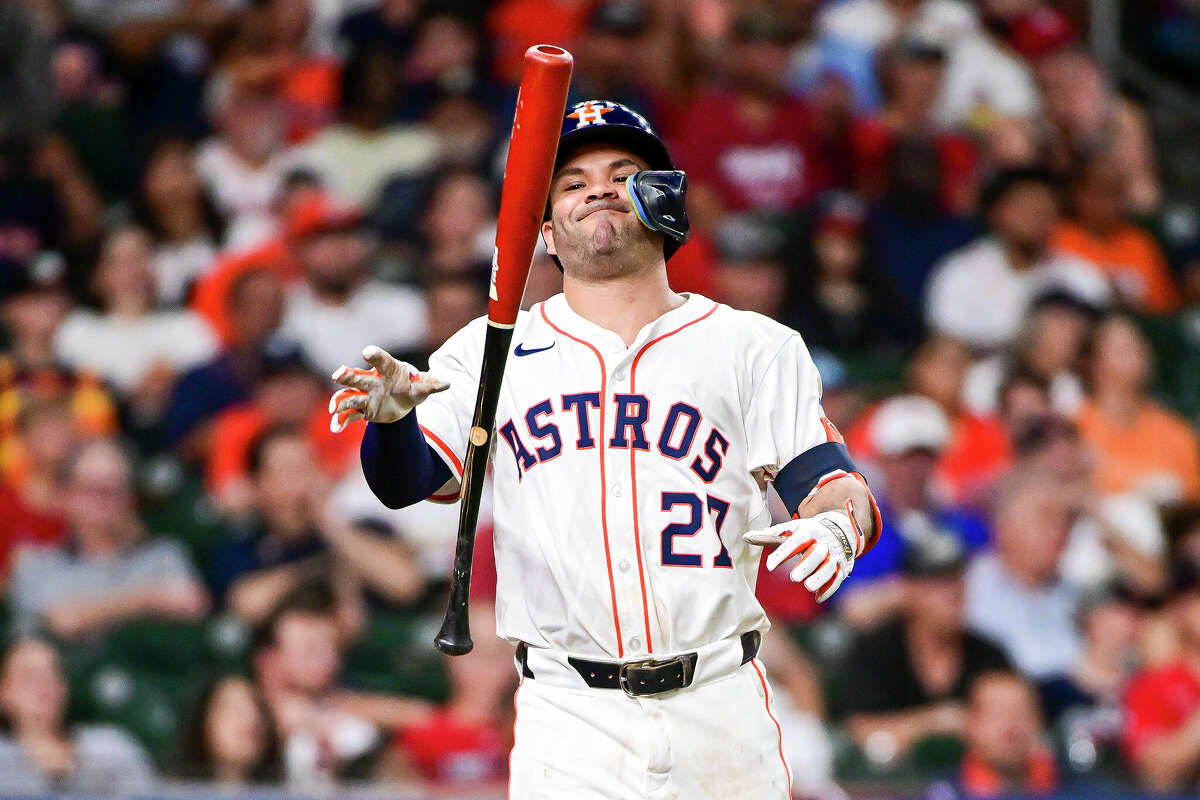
point(640, 678)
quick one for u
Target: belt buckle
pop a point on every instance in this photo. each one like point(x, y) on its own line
point(623, 678)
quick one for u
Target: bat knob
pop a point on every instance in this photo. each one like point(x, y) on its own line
point(453, 647)
point(454, 639)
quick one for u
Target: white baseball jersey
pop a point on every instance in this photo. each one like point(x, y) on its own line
point(625, 476)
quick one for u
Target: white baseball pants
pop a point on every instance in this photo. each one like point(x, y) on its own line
point(717, 738)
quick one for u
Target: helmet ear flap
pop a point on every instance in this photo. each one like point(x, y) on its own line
point(657, 197)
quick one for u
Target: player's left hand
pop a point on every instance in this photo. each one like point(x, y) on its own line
point(827, 544)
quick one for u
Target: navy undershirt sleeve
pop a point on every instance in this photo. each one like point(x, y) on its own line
point(399, 464)
point(797, 479)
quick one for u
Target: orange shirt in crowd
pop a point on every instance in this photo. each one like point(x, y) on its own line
point(311, 91)
point(1127, 457)
point(979, 779)
point(235, 430)
point(210, 295)
point(977, 454)
point(1130, 258)
point(516, 25)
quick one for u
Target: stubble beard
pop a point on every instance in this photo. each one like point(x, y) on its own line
point(615, 248)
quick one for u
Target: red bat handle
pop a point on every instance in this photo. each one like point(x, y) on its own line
point(541, 101)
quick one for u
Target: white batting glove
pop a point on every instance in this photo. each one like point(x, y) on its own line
point(383, 394)
point(828, 543)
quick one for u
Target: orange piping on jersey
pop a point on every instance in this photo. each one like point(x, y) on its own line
point(767, 703)
point(612, 586)
point(446, 451)
point(637, 538)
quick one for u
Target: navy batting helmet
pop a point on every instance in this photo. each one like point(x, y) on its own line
point(657, 194)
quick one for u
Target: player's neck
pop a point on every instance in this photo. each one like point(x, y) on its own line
point(622, 305)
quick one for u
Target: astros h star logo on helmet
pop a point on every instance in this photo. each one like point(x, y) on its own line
point(589, 113)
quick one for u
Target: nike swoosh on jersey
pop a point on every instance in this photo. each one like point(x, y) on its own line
point(521, 351)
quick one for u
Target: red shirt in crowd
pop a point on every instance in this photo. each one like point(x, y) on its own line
point(20, 525)
point(871, 143)
point(445, 749)
point(1158, 702)
point(767, 164)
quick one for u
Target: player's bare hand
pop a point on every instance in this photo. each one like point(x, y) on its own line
point(384, 393)
point(826, 545)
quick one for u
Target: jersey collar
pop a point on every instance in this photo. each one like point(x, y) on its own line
point(559, 312)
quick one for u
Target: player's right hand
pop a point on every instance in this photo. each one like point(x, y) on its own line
point(382, 394)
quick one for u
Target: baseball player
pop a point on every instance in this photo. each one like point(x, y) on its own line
point(638, 429)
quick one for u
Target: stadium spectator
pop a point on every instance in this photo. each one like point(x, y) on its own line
point(31, 213)
point(1037, 624)
point(466, 129)
point(911, 72)
point(978, 451)
point(1101, 232)
point(985, 81)
point(31, 495)
point(608, 62)
point(750, 272)
point(326, 732)
point(1049, 349)
point(910, 226)
point(255, 311)
point(138, 350)
point(1162, 733)
point(40, 753)
point(911, 675)
point(33, 305)
point(844, 304)
point(908, 434)
point(459, 223)
point(465, 740)
point(1006, 754)
point(110, 572)
point(1085, 118)
point(91, 114)
point(981, 293)
point(298, 206)
point(447, 56)
point(176, 210)
point(339, 309)
point(388, 24)
point(1138, 445)
point(244, 164)
point(1111, 654)
point(871, 24)
point(231, 740)
point(292, 537)
point(763, 155)
point(356, 156)
point(452, 300)
point(273, 48)
point(287, 394)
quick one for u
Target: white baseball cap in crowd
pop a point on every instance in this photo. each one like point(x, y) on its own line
point(909, 422)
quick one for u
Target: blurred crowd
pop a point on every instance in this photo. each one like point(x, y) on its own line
point(206, 206)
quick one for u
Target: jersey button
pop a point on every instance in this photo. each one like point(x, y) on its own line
point(623, 566)
point(620, 375)
point(635, 643)
point(618, 490)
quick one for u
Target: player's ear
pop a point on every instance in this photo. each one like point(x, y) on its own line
point(548, 237)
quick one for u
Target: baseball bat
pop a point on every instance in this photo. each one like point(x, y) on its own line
point(541, 103)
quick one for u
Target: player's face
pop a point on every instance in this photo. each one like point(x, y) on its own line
point(593, 228)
